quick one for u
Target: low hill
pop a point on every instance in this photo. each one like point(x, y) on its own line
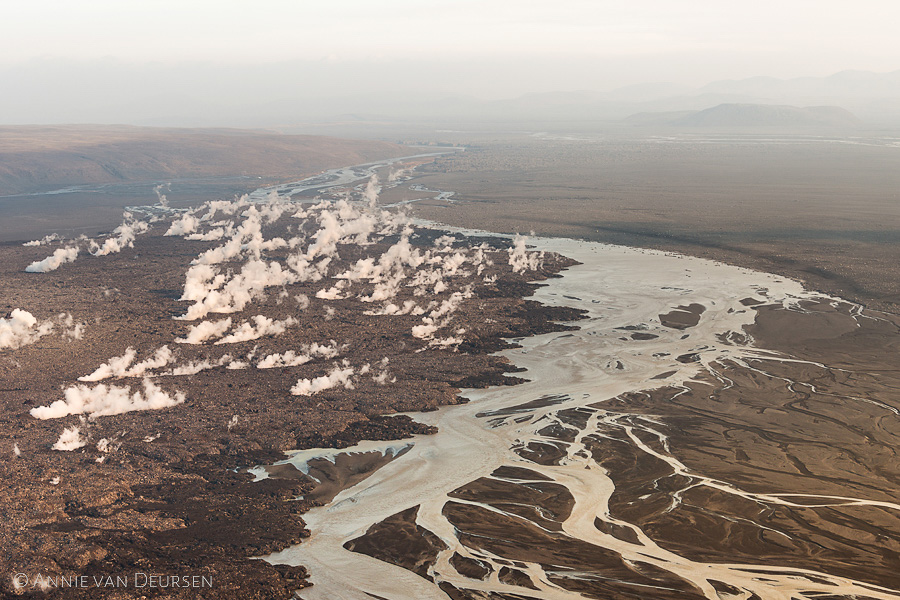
point(40, 158)
point(767, 115)
point(751, 115)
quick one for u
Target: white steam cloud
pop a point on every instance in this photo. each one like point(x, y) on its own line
point(163, 201)
point(103, 400)
point(212, 291)
point(121, 366)
point(59, 257)
point(20, 328)
point(186, 225)
point(294, 359)
point(124, 237)
point(264, 326)
point(205, 330)
point(212, 235)
point(370, 194)
point(338, 376)
point(47, 239)
point(69, 440)
point(521, 260)
point(192, 368)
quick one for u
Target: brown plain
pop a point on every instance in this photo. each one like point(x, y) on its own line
point(825, 212)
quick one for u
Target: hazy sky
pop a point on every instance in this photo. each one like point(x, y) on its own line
point(777, 37)
point(182, 51)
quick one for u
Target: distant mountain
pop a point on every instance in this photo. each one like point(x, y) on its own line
point(842, 85)
point(751, 115)
point(871, 96)
point(183, 98)
point(769, 115)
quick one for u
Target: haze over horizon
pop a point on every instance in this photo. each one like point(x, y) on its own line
point(225, 64)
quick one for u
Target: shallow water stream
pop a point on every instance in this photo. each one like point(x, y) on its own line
point(624, 291)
